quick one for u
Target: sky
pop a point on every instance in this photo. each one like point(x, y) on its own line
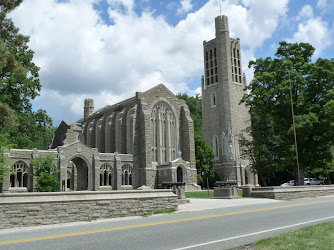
point(108, 50)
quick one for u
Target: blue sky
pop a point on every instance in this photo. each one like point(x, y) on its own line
point(109, 49)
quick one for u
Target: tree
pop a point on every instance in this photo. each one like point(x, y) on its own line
point(312, 88)
point(205, 160)
point(46, 172)
point(4, 162)
point(19, 84)
point(195, 107)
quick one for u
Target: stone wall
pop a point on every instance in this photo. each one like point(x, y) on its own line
point(31, 209)
point(290, 193)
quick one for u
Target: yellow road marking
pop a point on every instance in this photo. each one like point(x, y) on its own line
point(157, 223)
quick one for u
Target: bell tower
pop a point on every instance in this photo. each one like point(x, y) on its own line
point(224, 120)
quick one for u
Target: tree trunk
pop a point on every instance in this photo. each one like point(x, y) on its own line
point(329, 180)
point(301, 175)
point(263, 180)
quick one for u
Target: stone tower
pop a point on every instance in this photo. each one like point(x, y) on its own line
point(224, 120)
point(89, 107)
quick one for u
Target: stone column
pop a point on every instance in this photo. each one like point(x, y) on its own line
point(63, 172)
point(96, 176)
point(75, 177)
point(118, 173)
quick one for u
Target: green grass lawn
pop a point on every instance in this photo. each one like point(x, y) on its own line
point(320, 236)
point(204, 194)
point(199, 194)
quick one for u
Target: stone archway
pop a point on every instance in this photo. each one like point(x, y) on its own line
point(179, 174)
point(82, 173)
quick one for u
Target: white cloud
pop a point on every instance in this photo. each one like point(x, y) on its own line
point(186, 6)
point(316, 32)
point(82, 56)
point(326, 6)
point(305, 13)
point(117, 4)
point(322, 4)
point(198, 91)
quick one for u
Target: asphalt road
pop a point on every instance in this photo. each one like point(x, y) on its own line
point(217, 228)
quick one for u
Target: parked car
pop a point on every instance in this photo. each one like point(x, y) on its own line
point(289, 183)
point(312, 181)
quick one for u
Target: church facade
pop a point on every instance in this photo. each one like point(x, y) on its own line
point(224, 120)
point(138, 143)
point(149, 138)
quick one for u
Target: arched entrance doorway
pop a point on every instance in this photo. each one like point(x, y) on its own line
point(82, 173)
point(179, 174)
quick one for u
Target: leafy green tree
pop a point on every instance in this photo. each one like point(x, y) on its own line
point(195, 108)
point(46, 172)
point(205, 161)
point(312, 88)
point(4, 162)
point(7, 120)
point(19, 84)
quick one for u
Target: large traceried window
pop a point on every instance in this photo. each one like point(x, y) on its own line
point(164, 133)
point(154, 138)
point(127, 175)
point(106, 175)
point(19, 174)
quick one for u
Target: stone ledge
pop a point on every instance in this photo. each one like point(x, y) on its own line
point(22, 210)
point(37, 197)
point(294, 192)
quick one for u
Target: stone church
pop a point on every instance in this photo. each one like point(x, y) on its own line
point(137, 143)
point(224, 120)
point(149, 138)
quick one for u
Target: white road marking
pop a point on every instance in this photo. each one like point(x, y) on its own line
point(246, 235)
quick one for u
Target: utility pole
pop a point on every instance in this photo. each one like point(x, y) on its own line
point(294, 131)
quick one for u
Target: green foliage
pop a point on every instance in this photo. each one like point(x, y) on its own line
point(8, 118)
point(195, 108)
point(199, 194)
point(46, 172)
point(204, 194)
point(19, 84)
point(4, 162)
point(314, 237)
point(272, 151)
point(205, 161)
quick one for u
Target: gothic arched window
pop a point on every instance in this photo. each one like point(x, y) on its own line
point(164, 133)
point(19, 174)
point(105, 175)
point(127, 175)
